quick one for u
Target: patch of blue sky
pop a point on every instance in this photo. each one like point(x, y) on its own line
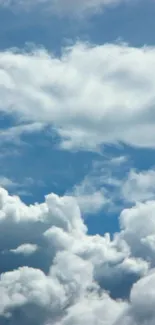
point(39, 158)
point(51, 32)
point(38, 167)
point(132, 23)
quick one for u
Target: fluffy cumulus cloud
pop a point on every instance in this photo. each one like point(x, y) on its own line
point(131, 186)
point(139, 186)
point(90, 95)
point(138, 227)
point(56, 273)
point(142, 300)
point(64, 7)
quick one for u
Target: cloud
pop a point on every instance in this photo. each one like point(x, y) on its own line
point(14, 133)
point(104, 185)
point(138, 226)
point(142, 298)
point(61, 212)
point(91, 203)
point(43, 300)
point(81, 7)
point(26, 249)
point(7, 183)
point(94, 309)
point(72, 277)
point(139, 186)
point(63, 7)
point(91, 95)
point(29, 289)
point(89, 198)
point(128, 185)
point(22, 187)
point(112, 182)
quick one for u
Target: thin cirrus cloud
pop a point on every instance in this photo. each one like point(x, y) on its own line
point(64, 7)
point(90, 95)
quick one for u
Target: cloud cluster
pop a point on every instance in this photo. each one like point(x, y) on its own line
point(90, 96)
point(52, 271)
point(56, 273)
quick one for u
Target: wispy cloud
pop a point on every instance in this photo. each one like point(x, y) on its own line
point(90, 199)
point(7, 183)
point(22, 187)
point(14, 134)
point(101, 187)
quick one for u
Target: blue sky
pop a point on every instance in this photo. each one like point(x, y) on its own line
point(132, 23)
point(77, 162)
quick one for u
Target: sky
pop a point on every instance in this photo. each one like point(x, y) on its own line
point(77, 162)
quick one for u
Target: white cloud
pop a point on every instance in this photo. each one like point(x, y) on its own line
point(80, 267)
point(93, 310)
point(63, 211)
point(104, 185)
point(14, 133)
point(139, 186)
point(20, 187)
point(91, 95)
point(115, 180)
point(25, 249)
point(30, 287)
point(91, 203)
point(45, 300)
point(7, 182)
point(57, 222)
point(90, 199)
point(142, 299)
point(138, 228)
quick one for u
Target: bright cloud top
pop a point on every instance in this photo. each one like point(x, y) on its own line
point(91, 95)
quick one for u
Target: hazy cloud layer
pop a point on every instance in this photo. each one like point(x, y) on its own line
point(64, 7)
